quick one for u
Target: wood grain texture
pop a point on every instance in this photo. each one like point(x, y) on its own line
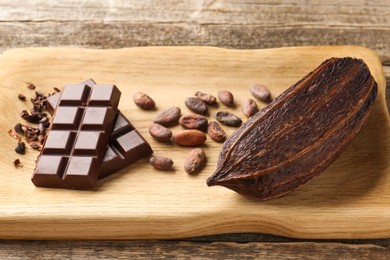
point(349, 197)
point(223, 23)
point(187, 250)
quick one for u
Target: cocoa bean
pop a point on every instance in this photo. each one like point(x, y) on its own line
point(260, 92)
point(195, 161)
point(143, 101)
point(216, 132)
point(249, 107)
point(196, 105)
point(228, 118)
point(189, 138)
point(207, 98)
point(161, 163)
point(168, 117)
point(192, 121)
point(160, 133)
point(226, 97)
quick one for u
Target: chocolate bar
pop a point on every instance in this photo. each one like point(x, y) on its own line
point(74, 149)
point(126, 144)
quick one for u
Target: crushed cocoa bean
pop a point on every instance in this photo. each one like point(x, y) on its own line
point(18, 163)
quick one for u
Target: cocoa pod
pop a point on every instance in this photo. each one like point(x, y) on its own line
point(226, 98)
point(260, 92)
point(196, 105)
point(194, 122)
point(299, 134)
point(249, 107)
point(228, 118)
point(161, 163)
point(216, 132)
point(160, 133)
point(143, 101)
point(168, 117)
point(195, 161)
point(189, 138)
point(207, 98)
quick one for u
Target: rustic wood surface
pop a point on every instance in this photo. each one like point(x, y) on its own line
point(232, 24)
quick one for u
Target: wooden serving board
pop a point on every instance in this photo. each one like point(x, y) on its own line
point(351, 199)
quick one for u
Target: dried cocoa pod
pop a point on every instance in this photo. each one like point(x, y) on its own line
point(196, 105)
point(249, 107)
point(299, 134)
point(160, 133)
point(195, 161)
point(168, 117)
point(189, 138)
point(207, 98)
point(143, 101)
point(192, 121)
point(226, 98)
point(260, 92)
point(216, 132)
point(228, 118)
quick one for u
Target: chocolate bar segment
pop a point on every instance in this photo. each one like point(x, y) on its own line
point(126, 144)
point(73, 152)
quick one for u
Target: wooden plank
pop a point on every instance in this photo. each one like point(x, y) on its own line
point(187, 250)
point(228, 12)
point(145, 204)
point(124, 34)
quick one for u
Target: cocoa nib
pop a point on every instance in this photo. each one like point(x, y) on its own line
point(18, 163)
point(20, 148)
point(22, 97)
point(228, 118)
point(299, 134)
point(196, 105)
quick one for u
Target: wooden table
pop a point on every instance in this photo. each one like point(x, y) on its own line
point(232, 24)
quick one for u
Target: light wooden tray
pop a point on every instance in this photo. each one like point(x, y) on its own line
point(349, 200)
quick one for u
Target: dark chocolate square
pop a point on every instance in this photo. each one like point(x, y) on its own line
point(67, 118)
point(104, 95)
point(59, 142)
point(74, 95)
point(87, 143)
